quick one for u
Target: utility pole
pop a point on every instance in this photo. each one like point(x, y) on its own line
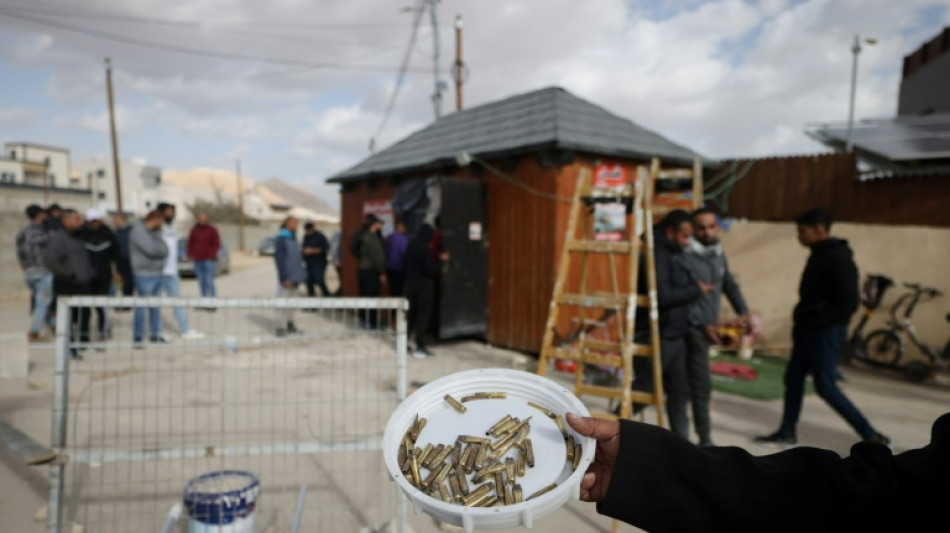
point(436, 59)
point(240, 195)
point(855, 50)
point(458, 62)
point(115, 143)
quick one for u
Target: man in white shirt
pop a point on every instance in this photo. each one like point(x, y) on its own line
point(171, 281)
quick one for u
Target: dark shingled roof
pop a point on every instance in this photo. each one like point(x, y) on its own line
point(550, 118)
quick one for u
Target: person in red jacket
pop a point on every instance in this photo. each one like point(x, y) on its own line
point(652, 479)
point(203, 245)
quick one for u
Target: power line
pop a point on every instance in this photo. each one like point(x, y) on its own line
point(213, 54)
point(402, 73)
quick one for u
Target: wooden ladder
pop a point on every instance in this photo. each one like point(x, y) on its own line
point(619, 352)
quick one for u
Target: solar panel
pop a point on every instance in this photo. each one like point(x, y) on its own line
point(897, 139)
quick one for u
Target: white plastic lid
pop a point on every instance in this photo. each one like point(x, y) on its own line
point(445, 424)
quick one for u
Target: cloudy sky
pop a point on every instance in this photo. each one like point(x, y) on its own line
point(297, 88)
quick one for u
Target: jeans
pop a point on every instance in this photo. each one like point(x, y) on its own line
point(815, 352)
point(41, 290)
point(420, 313)
point(370, 287)
point(78, 316)
point(204, 271)
point(171, 284)
point(316, 271)
point(700, 382)
point(147, 286)
point(285, 317)
point(675, 382)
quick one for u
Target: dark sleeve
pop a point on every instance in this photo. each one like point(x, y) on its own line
point(733, 294)
point(842, 283)
point(322, 243)
point(280, 257)
point(667, 294)
point(190, 250)
point(55, 259)
point(215, 242)
point(662, 483)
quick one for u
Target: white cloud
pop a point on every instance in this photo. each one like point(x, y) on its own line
point(15, 117)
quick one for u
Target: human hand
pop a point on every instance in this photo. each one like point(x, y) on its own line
point(712, 334)
point(286, 283)
point(596, 480)
point(706, 288)
point(444, 256)
point(382, 278)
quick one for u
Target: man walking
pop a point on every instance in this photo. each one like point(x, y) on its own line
point(203, 245)
point(147, 254)
point(828, 296)
point(420, 286)
point(66, 257)
point(676, 291)
point(372, 264)
point(31, 242)
point(171, 281)
point(706, 262)
point(103, 252)
point(396, 245)
point(290, 273)
point(315, 248)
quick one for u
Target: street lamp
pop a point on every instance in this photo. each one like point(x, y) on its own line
point(855, 50)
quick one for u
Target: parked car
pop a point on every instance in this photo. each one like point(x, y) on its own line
point(268, 246)
point(186, 267)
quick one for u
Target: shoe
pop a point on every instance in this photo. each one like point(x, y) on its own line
point(292, 328)
point(877, 438)
point(192, 334)
point(76, 355)
point(777, 439)
point(706, 443)
point(34, 337)
point(422, 354)
point(137, 344)
point(159, 340)
point(281, 332)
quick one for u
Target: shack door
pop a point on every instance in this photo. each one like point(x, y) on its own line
point(463, 298)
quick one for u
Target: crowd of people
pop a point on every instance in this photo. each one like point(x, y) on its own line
point(692, 274)
point(401, 265)
point(63, 253)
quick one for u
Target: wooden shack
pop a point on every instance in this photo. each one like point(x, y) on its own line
point(506, 171)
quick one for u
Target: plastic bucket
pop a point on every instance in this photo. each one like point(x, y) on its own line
point(222, 502)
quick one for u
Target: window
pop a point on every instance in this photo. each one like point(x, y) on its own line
point(12, 154)
point(6, 177)
point(101, 173)
point(52, 180)
point(102, 196)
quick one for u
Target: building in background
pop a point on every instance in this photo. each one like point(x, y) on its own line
point(38, 165)
point(141, 184)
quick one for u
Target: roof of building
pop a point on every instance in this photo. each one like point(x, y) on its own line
point(896, 143)
point(301, 197)
point(38, 145)
point(550, 118)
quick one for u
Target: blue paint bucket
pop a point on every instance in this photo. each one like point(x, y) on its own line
point(222, 502)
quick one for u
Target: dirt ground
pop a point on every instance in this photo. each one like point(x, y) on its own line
point(899, 409)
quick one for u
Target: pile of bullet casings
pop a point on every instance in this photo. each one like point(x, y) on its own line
point(443, 471)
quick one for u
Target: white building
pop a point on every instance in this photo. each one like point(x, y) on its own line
point(141, 184)
point(37, 165)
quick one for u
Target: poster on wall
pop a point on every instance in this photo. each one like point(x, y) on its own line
point(384, 211)
point(609, 175)
point(610, 221)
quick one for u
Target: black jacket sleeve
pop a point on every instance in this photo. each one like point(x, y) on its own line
point(667, 293)
point(662, 483)
point(842, 286)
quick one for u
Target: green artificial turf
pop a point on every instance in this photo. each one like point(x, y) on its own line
point(767, 386)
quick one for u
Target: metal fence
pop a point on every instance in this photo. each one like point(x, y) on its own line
point(303, 411)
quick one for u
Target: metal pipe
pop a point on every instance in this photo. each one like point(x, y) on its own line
point(855, 50)
point(401, 386)
point(297, 514)
point(60, 399)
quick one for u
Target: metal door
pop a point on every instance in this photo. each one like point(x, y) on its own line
point(463, 294)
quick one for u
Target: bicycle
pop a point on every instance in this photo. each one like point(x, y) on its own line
point(886, 346)
point(872, 293)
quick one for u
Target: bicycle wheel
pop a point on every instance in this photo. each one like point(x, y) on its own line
point(883, 347)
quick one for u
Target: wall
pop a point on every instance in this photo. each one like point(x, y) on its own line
point(780, 189)
point(139, 185)
point(925, 87)
point(768, 261)
point(58, 169)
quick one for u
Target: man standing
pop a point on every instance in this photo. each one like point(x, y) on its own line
point(123, 262)
point(31, 244)
point(827, 297)
point(203, 245)
point(171, 281)
point(707, 263)
point(372, 264)
point(396, 245)
point(66, 257)
point(54, 217)
point(103, 252)
point(315, 247)
point(147, 254)
point(676, 291)
point(421, 270)
point(290, 272)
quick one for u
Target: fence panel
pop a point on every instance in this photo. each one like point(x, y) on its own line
point(134, 421)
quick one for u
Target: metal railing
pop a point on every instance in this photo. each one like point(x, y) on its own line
point(304, 411)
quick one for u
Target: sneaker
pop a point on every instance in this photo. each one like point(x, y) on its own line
point(777, 439)
point(159, 340)
point(422, 354)
point(76, 354)
point(34, 337)
point(880, 439)
point(192, 334)
point(292, 328)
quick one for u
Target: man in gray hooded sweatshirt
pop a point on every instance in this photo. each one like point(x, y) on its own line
point(706, 262)
point(147, 253)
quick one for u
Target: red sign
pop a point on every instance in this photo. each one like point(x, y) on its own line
point(609, 176)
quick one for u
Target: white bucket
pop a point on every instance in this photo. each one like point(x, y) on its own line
point(222, 502)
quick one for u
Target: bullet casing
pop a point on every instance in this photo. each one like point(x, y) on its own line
point(457, 454)
point(425, 455)
point(443, 473)
point(510, 468)
point(444, 492)
point(454, 403)
point(517, 494)
point(472, 458)
point(480, 458)
point(545, 490)
point(456, 490)
point(490, 502)
point(529, 453)
point(504, 428)
point(547, 412)
point(443, 455)
point(498, 424)
point(414, 470)
point(500, 483)
point(560, 425)
point(570, 449)
point(480, 491)
point(463, 481)
point(509, 497)
point(429, 460)
point(577, 455)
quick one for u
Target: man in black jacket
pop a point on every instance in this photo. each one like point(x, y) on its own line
point(67, 258)
point(651, 479)
point(421, 269)
point(103, 252)
point(828, 296)
point(675, 290)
